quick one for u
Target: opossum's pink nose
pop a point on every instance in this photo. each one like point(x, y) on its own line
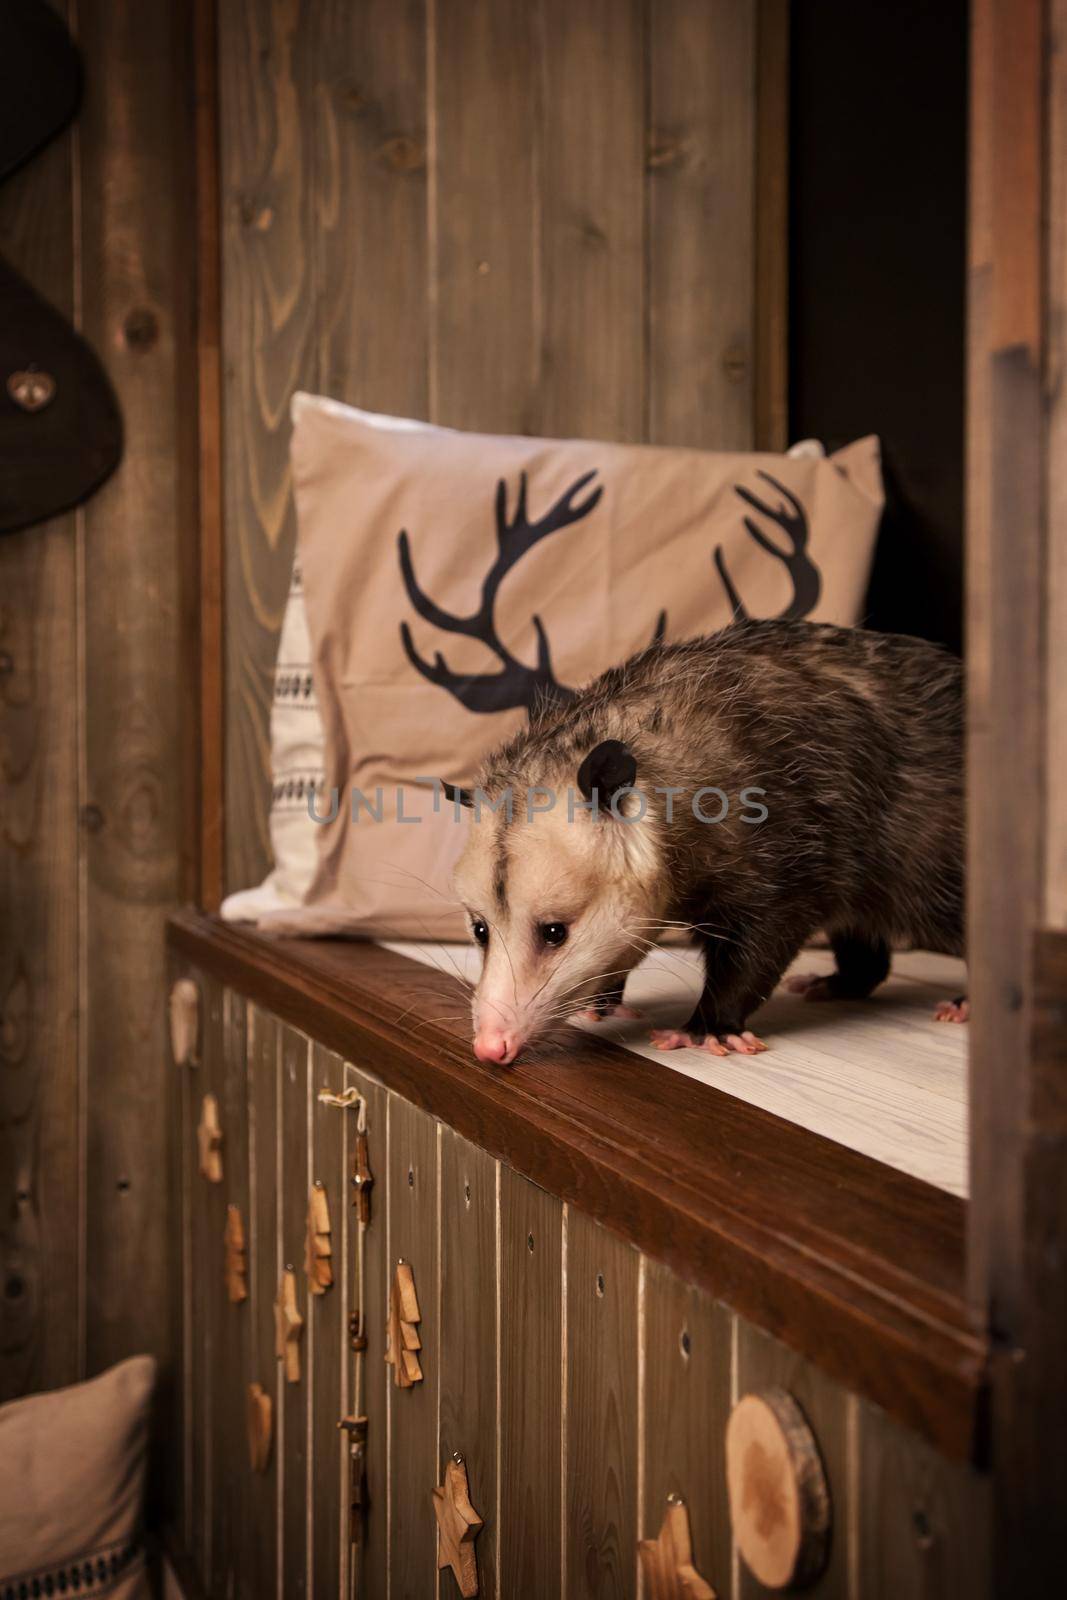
point(493, 1044)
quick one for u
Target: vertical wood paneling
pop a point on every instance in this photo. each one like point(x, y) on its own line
point(529, 1551)
point(685, 1408)
point(204, 1286)
point(770, 315)
point(593, 198)
point(924, 1523)
point(413, 1237)
point(41, 1270)
point(484, 291)
point(763, 1362)
point(292, 1183)
point(231, 1533)
point(133, 271)
point(469, 1338)
point(1055, 873)
point(702, 68)
point(327, 1325)
point(372, 311)
point(263, 1252)
point(268, 243)
point(180, 1414)
point(370, 1394)
point(601, 1438)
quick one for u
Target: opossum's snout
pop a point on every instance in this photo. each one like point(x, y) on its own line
point(499, 1046)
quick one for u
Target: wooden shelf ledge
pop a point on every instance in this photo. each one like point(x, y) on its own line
point(858, 1267)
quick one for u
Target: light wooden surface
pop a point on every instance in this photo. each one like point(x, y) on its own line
point(877, 1075)
point(507, 217)
point(597, 1380)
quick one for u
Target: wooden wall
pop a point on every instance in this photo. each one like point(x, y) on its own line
point(532, 216)
point(90, 709)
point(581, 1381)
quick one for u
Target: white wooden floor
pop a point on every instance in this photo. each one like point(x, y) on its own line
point(877, 1075)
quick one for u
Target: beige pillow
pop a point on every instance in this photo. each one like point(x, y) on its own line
point(72, 1468)
point(449, 577)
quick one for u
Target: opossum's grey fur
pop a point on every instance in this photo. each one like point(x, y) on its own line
point(856, 739)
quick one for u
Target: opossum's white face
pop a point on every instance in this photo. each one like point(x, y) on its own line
point(563, 908)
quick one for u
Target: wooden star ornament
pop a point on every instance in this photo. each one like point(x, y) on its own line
point(209, 1139)
point(667, 1561)
point(458, 1525)
point(288, 1325)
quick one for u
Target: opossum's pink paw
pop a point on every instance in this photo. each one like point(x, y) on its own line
point(675, 1039)
point(953, 1010)
point(626, 1013)
point(812, 985)
point(746, 1044)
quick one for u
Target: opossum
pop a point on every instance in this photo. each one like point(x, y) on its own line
point(839, 754)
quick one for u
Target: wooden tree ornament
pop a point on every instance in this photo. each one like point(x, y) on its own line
point(667, 1560)
point(259, 1416)
point(209, 1139)
point(780, 1507)
point(402, 1335)
point(288, 1326)
point(236, 1258)
point(184, 1021)
point(317, 1247)
point(458, 1525)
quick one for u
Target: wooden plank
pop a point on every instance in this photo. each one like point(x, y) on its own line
point(292, 1439)
point(412, 1181)
point(485, 342)
point(600, 1447)
point(370, 1375)
point(529, 1509)
point(327, 1334)
point(370, 188)
point(860, 1267)
point(686, 1367)
point(924, 1524)
point(593, 200)
point(771, 377)
point(469, 1338)
point(268, 228)
point(761, 1363)
point(702, 225)
point(132, 262)
point(229, 1322)
point(264, 1251)
point(41, 1152)
point(181, 1419)
point(204, 1287)
point(1055, 868)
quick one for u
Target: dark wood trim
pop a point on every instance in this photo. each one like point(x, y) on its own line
point(771, 393)
point(856, 1266)
point(208, 665)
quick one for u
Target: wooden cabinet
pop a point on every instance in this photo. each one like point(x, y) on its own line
point(581, 1380)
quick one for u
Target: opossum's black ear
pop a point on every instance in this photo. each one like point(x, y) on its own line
point(607, 768)
point(464, 796)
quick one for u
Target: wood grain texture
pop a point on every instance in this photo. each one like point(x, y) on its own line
point(484, 335)
point(924, 1524)
point(205, 1288)
point(470, 1335)
point(412, 1181)
point(1055, 868)
point(228, 1323)
point(859, 1266)
point(264, 1251)
point(771, 308)
point(702, 223)
point(370, 1375)
point(41, 1265)
point(268, 234)
point(762, 1362)
point(291, 1436)
point(529, 1503)
point(685, 1403)
point(593, 205)
point(600, 1429)
point(327, 1333)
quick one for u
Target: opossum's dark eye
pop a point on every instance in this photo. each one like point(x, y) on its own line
point(553, 932)
point(480, 931)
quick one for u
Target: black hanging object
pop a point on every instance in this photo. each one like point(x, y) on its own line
point(60, 424)
point(40, 79)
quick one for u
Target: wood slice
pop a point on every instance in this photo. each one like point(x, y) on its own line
point(779, 1495)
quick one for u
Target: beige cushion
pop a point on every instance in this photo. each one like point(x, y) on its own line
point(399, 525)
point(72, 1466)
